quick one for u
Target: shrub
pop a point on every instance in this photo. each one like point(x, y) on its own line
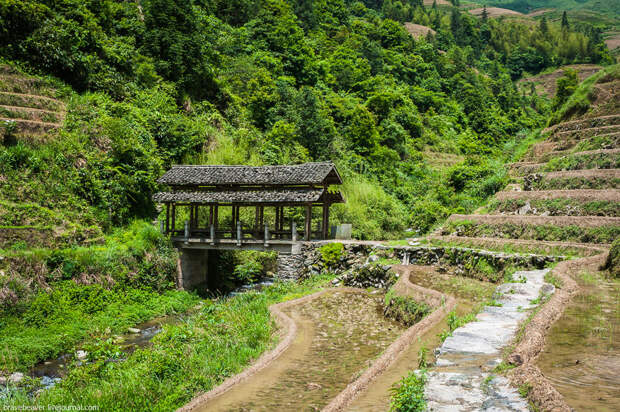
point(404, 309)
point(331, 253)
point(247, 272)
point(408, 395)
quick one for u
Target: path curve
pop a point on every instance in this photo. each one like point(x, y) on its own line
point(288, 330)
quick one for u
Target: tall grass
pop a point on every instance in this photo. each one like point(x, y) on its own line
point(191, 357)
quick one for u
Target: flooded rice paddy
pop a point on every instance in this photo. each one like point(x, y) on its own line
point(340, 334)
point(582, 353)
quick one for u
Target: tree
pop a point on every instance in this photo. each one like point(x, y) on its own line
point(544, 26)
point(485, 14)
point(566, 87)
point(565, 25)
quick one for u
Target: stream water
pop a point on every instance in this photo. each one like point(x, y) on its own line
point(582, 353)
point(339, 335)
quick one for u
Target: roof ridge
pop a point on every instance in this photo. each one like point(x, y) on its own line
point(289, 165)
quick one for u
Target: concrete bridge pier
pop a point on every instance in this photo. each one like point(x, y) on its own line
point(198, 269)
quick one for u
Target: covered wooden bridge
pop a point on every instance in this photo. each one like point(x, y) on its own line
point(251, 207)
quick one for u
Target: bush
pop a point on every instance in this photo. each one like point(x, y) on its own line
point(247, 272)
point(408, 394)
point(331, 253)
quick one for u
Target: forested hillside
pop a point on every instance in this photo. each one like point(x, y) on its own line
point(159, 82)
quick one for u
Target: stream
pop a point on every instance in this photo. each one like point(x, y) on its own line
point(340, 334)
point(53, 371)
point(582, 352)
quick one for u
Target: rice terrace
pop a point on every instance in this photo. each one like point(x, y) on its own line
point(304, 205)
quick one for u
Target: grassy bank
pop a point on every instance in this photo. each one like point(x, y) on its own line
point(219, 340)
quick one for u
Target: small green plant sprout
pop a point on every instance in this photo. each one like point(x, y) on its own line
point(522, 279)
point(408, 393)
point(503, 367)
point(552, 279)
point(422, 352)
point(494, 302)
point(524, 389)
point(331, 253)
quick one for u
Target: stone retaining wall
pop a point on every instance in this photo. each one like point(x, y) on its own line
point(480, 264)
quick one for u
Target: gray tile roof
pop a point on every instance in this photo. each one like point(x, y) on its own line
point(302, 174)
point(248, 196)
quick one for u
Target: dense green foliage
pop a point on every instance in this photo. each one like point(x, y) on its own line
point(278, 81)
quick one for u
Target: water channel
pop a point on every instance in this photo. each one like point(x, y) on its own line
point(582, 353)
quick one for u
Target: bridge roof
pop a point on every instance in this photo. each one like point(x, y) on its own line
point(318, 173)
point(288, 196)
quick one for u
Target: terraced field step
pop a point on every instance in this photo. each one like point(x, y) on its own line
point(583, 133)
point(581, 221)
point(557, 203)
point(31, 101)
point(28, 113)
point(589, 159)
point(611, 195)
point(19, 83)
point(540, 247)
point(573, 180)
point(582, 229)
point(31, 126)
point(587, 123)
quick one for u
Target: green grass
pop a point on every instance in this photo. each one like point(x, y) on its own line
point(575, 183)
point(557, 207)
point(216, 342)
point(512, 248)
point(587, 161)
point(572, 233)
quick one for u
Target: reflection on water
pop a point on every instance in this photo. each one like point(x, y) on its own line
point(582, 353)
point(342, 334)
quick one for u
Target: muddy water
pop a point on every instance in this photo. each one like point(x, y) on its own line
point(582, 353)
point(377, 396)
point(339, 335)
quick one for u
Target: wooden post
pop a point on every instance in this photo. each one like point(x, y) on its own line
point(210, 215)
point(191, 216)
point(239, 233)
point(256, 222)
point(212, 230)
point(174, 217)
point(233, 220)
point(261, 218)
point(215, 216)
point(294, 231)
point(266, 241)
point(325, 227)
point(277, 222)
point(167, 218)
point(308, 226)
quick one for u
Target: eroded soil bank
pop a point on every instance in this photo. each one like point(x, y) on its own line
point(582, 351)
point(339, 334)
